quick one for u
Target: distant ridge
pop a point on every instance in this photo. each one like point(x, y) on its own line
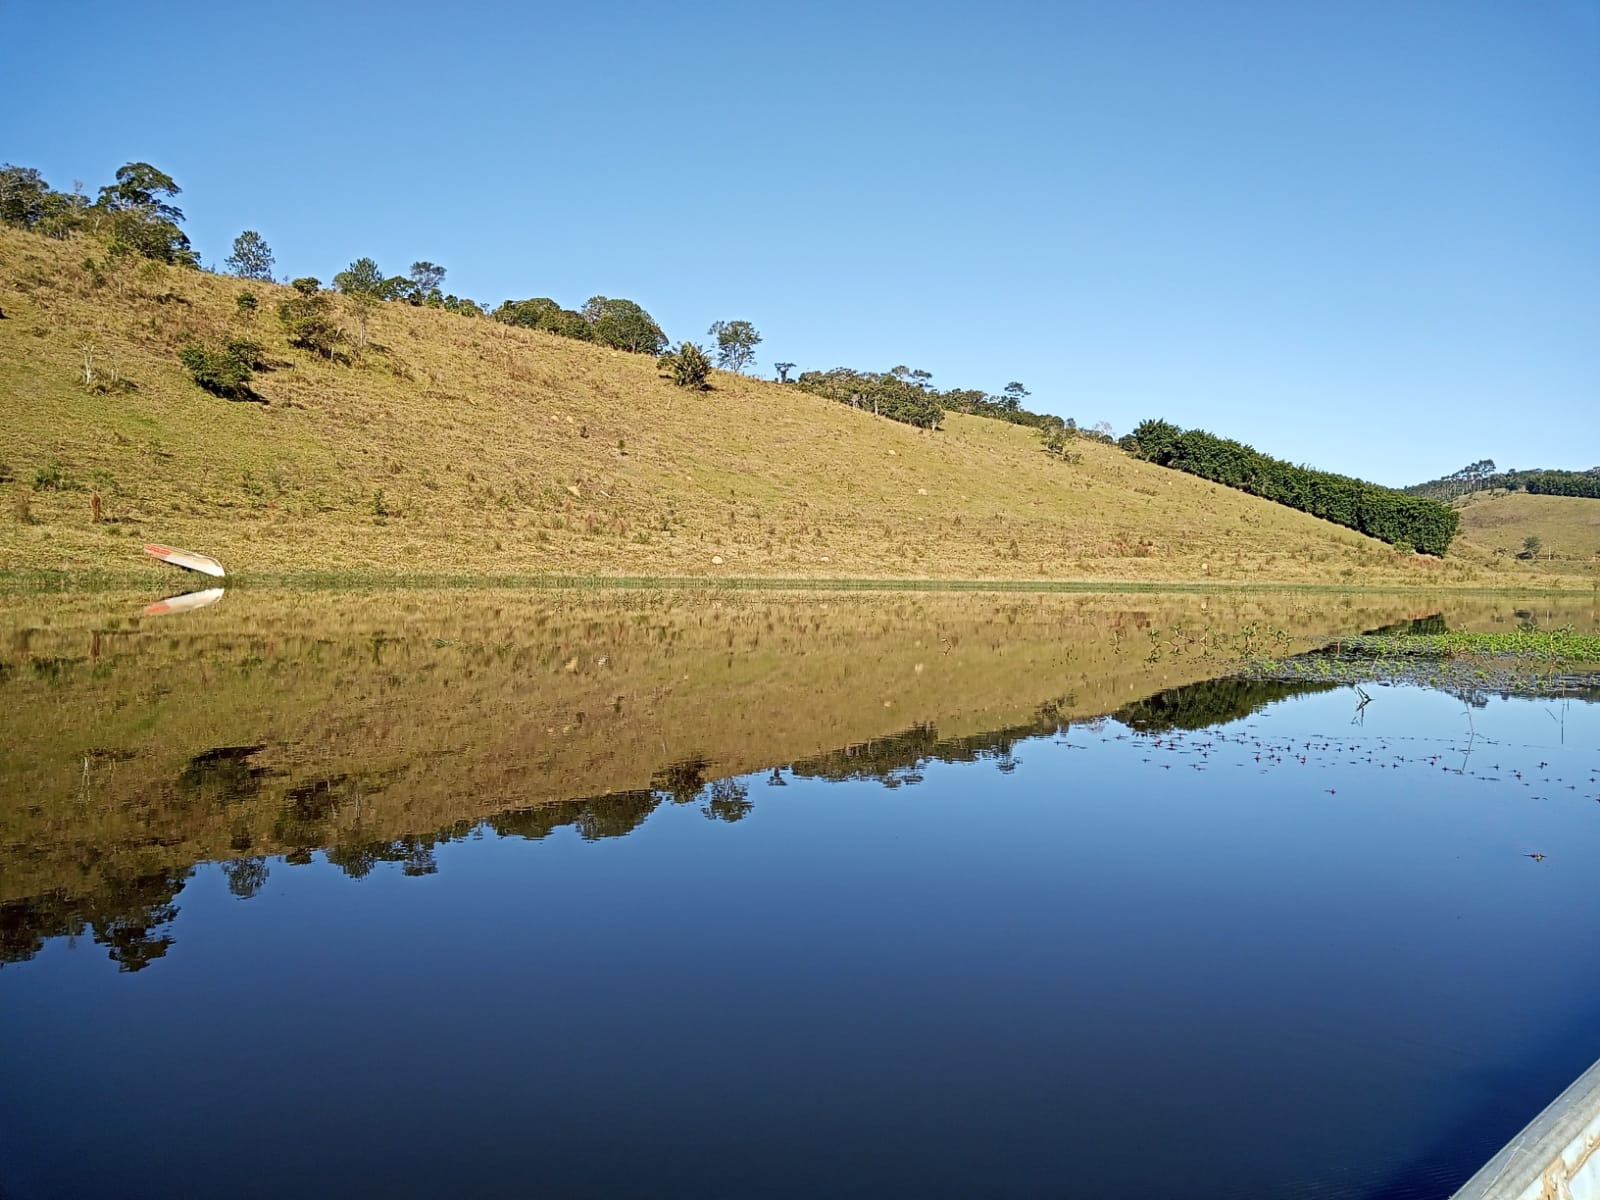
point(1483, 477)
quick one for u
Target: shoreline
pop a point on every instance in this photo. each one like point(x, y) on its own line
point(22, 581)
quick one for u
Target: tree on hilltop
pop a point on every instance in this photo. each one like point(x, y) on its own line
point(141, 220)
point(140, 188)
point(623, 325)
point(363, 278)
point(736, 344)
point(364, 284)
point(251, 257)
point(22, 195)
point(426, 279)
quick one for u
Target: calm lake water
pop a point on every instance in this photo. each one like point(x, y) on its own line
point(665, 894)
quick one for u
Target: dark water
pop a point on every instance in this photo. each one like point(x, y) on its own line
point(1215, 939)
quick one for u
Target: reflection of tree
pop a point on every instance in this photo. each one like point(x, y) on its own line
point(224, 774)
point(682, 781)
point(614, 816)
point(355, 859)
point(898, 760)
point(129, 915)
point(303, 822)
point(1211, 702)
point(246, 876)
point(1433, 624)
point(594, 817)
point(418, 858)
point(24, 925)
point(414, 853)
point(729, 801)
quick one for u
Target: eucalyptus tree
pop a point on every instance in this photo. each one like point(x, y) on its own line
point(736, 344)
point(426, 279)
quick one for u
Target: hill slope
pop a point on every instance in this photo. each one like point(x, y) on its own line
point(1498, 522)
point(464, 445)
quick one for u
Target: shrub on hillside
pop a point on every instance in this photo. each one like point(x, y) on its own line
point(1057, 443)
point(308, 319)
point(224, 370)
point(53, 477)
point(1421, 524)
point(688, 366)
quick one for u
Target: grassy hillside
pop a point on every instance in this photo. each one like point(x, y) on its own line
point(1568, 526)
point(464, 445)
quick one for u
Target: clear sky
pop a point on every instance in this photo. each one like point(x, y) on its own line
point(1363, 234)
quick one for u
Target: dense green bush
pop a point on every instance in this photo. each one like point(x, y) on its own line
point(1416, 522)
point(620, 324)
point(1057, 443)
point(623, 325)
point(541, 312)
point(688, 366)
point(886, 395)
point(307, 319)
point(224, 370)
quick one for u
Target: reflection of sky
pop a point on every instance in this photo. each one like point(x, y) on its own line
point(1421, 712)
point(1133, 960)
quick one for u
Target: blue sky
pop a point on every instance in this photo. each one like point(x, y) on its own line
point(1364, 234)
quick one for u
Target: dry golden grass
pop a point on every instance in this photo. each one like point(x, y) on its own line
point(457, 445)
point(1499, 522)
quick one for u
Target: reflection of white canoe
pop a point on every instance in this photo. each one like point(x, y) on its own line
point(186, 558)
point(185, 602)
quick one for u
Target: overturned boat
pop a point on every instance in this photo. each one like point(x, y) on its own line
point(187, 602)
point(187, 559)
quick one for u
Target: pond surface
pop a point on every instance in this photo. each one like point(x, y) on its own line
point(656, 895)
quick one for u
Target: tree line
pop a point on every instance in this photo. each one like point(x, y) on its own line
point(1422, 524)
point(1482, 477)
point(908, 395)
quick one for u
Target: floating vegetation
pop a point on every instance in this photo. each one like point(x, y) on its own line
point(1525, 662)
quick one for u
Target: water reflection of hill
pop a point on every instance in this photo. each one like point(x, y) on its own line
point(372, 729)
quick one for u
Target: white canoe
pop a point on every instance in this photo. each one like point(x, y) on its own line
point(187, 559)
point(184, 603)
